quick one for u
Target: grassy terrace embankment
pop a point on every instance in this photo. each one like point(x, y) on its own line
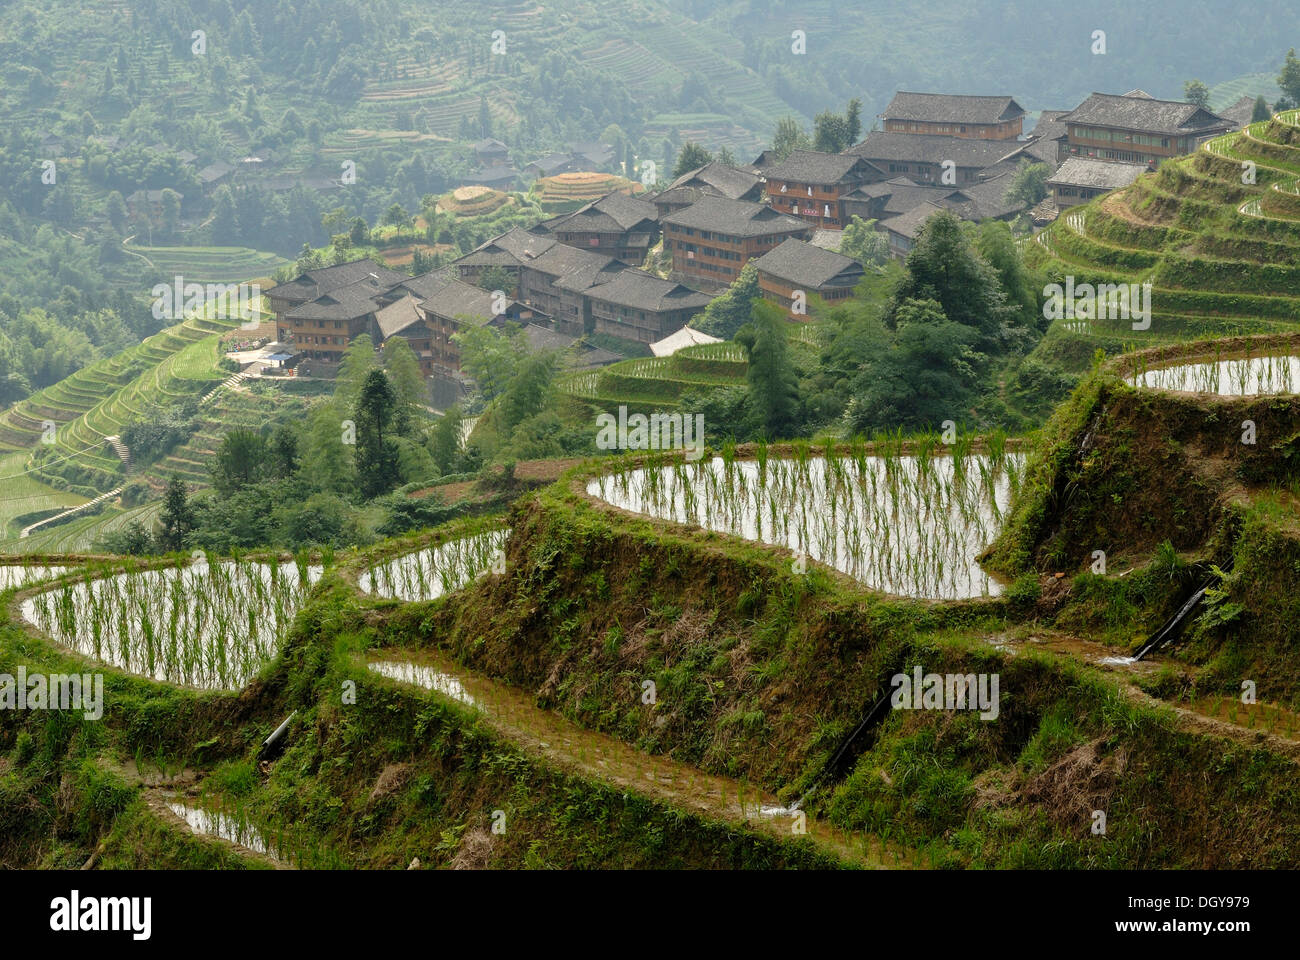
point(1172, 482)
point(1216, 234)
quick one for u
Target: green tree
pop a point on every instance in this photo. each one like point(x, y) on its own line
point(925, 377)
point(403, 369)
point(359, 232)
point(327, 458)
point(1028, 184)
point(692, 157)
point(1289, 78)
point(943, 266)
point(497, 277)
point(853, 120)
point(358, 360)
point(773, 384)
point(529, 390)
point(396, 216)
point(788, 138)
point(445, 440)
point(376, 453)
point(282, 449)
point(1198, 93)
point(727, 313)
point(864, 243)
point(998, 247)
point(490, 357)
point(240, 461)
point(176, 519)
point(1260, 112)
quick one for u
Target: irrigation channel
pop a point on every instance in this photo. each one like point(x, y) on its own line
point(431, 573)
point(208, 625)
point(1246, 376)
point(906, 524)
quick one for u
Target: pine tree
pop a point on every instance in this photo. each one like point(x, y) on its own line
point(176, 520)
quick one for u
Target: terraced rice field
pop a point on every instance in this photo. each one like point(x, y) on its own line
point(1222, 255)
point(910, 525)
point(429, 574)
point(19, 575)
point(209, 625)
point(1234, 377)
point(212, 264)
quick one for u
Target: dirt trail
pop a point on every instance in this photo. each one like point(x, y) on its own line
point(1210, 716)
point(598, 756)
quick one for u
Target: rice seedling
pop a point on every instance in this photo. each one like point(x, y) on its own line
point(209, 624)
point(20, 574)
point(908, 523)
point(1242, 376)
point(431, 573)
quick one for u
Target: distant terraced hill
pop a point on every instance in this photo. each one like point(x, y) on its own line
point(1222, 255)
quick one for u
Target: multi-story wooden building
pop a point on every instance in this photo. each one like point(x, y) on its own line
point(1079, 179)
point(616, 225)
point(712, 239)
point(320, 311)
point(809, 185)
point(933, 159)
point(948, 115)
point(636, 305)
point(1137, 128)
point(509, 252)
point(553, 283)
point(714, 179)
point(796, 271)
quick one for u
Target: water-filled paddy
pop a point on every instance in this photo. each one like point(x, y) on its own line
point(910, 525)
point(428, 574)
point(203, 625)
point(1237, 377)
point(16, 575)
point(423, 676)
point(212, 823)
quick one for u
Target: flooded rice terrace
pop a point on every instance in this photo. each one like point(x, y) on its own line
point(224, 826)
point(1237, 377)
point(428, 574)
point(909, 525)
point(203, 625)
point(17, 575)
point(423, 676)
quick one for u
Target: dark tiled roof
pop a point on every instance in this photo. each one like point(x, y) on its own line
point(491, 175)
point(612, 213)
point(489, 146)
point(809, 166)
point(510, 249)
point(720, 179)
point(642, 291)
point(951, 108)
point(986, 199)
point(456, 298)
point(1143, 113)
point(880, 146)
point(1240, 112)
point(398, 316)
point(810, 266)
point(572, 268)
point(347, 302)
point(909, 223)
point(313, 283)
point(902, 194)
point(738, 217)
point(1097, 174)
point(215, 171)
